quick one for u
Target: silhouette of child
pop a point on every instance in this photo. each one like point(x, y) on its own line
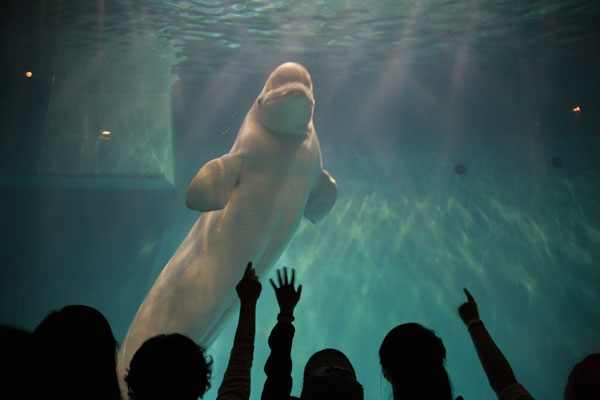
point(16, 350)
point(584, 379)
point(412, 360)
point(328, 374)
point(174, 367)
point(168, 367)
point(236, 381)
point(75, 351)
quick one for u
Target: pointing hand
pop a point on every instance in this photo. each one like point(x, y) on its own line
point(468, 311)
point(249, 288)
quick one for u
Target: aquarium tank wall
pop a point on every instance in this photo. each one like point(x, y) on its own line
point(463, 136)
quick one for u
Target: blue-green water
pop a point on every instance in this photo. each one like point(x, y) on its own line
point(404, 91)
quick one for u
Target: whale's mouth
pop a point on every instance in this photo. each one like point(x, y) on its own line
point(293, 91)
point(290, 94)
point(287, 109)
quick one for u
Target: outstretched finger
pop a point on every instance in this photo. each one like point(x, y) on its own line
point(279, 278)
point(248, 270)
point(273, 284)
point(470, 298)
point(299, 291)
point(293, 277)
point(285, 276)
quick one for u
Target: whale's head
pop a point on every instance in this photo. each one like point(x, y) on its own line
point(286, 103)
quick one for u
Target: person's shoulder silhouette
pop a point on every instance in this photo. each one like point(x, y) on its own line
point(584, 379)
point(16, 348)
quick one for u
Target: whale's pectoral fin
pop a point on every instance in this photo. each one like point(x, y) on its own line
point(321, 198)
point(211, 187)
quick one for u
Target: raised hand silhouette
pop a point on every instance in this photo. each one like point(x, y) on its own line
point(287, 295)
point(468, 311)
point(249, 288)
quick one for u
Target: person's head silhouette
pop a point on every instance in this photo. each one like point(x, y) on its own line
point(584, 379)
point(329, 374)
point(412, 359)
point(169, 367)
point(75, 351)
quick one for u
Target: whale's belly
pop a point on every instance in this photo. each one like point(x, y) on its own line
point(255, 225)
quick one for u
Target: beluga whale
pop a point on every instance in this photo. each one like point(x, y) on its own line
point(252, 200)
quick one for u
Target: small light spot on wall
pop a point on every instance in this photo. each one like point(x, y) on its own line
point(576, 109)
point(29, 74)
point(105, 135)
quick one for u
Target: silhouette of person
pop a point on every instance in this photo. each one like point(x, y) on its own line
point(278, 367)
point(168, 367)
point(16, 351)
point(75, 352)
point(497, 369)
point(174, 367)
point(584, 379)
point(412, 360)
point(328, 374)
point(236, 381)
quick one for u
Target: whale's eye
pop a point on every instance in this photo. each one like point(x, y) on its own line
point(259, 101)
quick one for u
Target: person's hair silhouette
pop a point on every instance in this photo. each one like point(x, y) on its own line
point(329, 374)
point(412, 359)
point(328, 358)
point(168, 367)
point(75, 351)
point(584, 379)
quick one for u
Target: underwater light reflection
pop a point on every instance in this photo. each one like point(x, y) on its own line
point(395, 72)
point(101, 9)
point(221, 88)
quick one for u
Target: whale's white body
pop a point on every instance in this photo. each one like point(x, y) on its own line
point(252, 200)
